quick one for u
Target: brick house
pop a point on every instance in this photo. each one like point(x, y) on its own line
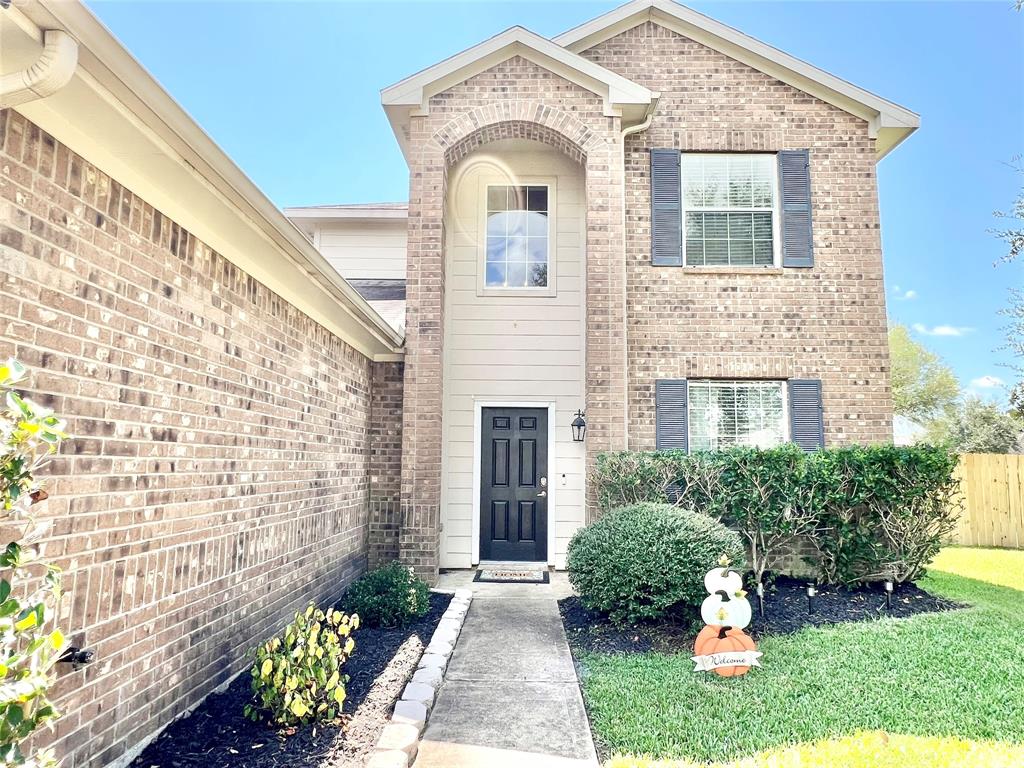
point(651, 224)
point(652, 219)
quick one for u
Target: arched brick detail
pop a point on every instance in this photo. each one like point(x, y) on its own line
point(541, 122)
point(515, 129)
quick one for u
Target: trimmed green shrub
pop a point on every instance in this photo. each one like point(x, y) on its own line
point(872, 512)
point(883, 511)
point(388, 596)
point(297, 677)
point(765, 496)
point(640, 562)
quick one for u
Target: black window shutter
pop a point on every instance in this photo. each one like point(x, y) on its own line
point(795, 186)
point(666, 209)
point(670, 414)
point(806, 414)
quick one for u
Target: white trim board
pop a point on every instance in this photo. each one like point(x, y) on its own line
point(478, 406)
point(411, 96)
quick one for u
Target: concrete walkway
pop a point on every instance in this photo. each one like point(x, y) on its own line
point(510, 698)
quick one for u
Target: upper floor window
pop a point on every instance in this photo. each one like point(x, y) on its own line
point(727, 413)
point(729, 207)
point(517, 253)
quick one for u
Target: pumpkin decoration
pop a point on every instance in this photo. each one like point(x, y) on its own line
point(723, 641)
point(722, 646)
point(723, 579)
point(725, 609)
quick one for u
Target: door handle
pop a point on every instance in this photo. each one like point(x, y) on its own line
point(543, 493)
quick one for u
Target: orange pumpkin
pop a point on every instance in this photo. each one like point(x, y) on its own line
point(715, 639)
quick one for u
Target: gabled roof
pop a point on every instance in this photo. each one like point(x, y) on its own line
point(889, 123)
point(412, 95)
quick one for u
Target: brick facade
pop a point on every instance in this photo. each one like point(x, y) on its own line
point(515, 99)
point(646, 323)
point(385, 462)
point(826, 323)
point(218, 478)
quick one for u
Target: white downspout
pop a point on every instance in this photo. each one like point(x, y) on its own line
point(642, 126)
point(44, 77)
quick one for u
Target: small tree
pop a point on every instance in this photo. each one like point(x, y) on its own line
point(30, 589)
point(924, 388)
point(977, 426)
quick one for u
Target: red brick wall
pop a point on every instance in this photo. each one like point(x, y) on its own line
point(828, 322)
point(218, 478)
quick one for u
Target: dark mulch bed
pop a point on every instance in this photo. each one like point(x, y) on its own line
point(785, 611)
point(217, 735)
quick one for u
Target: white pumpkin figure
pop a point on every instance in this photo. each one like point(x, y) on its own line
point(727, 605)
point(725, 579)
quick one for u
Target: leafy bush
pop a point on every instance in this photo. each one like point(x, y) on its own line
point(641, 561)
point(766, 496)
point(629, 477)
point(871, 512)
point(30, 590)
point(884, 511)
point(388, 596)
point(297, 677)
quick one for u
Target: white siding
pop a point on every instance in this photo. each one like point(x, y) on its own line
point(364, 249)
point(511, 348)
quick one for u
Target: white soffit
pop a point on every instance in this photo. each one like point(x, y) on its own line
point(119, 118)
point(622, 97)
point(889, 123)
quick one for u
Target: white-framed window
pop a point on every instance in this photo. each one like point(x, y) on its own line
point(730, 210)
point(517, 254)
point(727, 413)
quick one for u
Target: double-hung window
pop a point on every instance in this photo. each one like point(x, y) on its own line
point(517, 254)
point(727, 413)
point(730, 211)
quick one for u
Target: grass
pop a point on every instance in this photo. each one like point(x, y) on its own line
point(956, 675)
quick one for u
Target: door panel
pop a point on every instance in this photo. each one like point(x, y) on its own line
point(513, 484)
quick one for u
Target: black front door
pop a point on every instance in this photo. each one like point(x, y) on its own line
point(513, 484)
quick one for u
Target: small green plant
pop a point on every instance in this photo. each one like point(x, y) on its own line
point(297, 677)
point(642, 561)
point(388, 596)
point(30, 589)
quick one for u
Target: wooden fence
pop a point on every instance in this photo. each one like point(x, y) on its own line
point(992, 485)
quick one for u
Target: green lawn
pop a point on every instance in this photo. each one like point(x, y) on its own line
point(955, 674)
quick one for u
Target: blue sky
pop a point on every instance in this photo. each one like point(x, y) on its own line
point(291, 91)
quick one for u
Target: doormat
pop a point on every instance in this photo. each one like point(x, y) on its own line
point(511, 576)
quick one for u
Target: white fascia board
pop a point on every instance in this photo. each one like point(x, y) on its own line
point(326, 212)
point(119, 118)
point(416, 90)
point(883, 116)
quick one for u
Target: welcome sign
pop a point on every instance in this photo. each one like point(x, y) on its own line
point(714, 661)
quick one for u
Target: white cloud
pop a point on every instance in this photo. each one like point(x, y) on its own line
point(902, 295)
point(941, 330)
point(987, 382)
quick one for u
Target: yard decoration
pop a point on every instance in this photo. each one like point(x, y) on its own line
point(722, 646)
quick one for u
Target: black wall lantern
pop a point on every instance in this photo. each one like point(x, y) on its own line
point(579, 427)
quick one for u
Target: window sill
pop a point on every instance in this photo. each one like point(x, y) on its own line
point(733, 270)
point(537, 293)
